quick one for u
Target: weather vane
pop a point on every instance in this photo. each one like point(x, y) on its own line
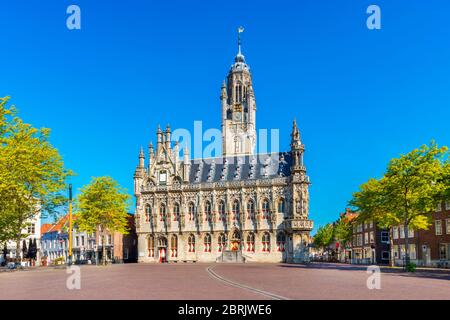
point(240, 30)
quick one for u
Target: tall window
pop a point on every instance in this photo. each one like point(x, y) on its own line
point(447, 226)
point(236, 210)
point(191, 211)
point(222, 242)
point(174, 246)
point(207, 243)
point(162, 212)
point(251, 242)
point(191, 243)
point(251, 210)
point(148, 213)
point(222, 211)
point(281, 242)
point(151, 246)
point(281, 206)
point(208, 211)
point(266, 209)
point(266, 242)
point(176, 212)
point(438, 227)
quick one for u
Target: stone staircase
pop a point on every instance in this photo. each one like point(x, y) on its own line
point(229, 256)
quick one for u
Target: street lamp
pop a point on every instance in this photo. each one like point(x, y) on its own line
point(70, 224)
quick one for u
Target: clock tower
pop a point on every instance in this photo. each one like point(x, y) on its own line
point(238, 108)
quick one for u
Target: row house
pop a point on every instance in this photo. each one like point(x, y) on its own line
point(369, 243)
point(86, 247)
point(426, 247)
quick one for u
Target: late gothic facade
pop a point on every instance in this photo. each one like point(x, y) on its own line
point(256, 205)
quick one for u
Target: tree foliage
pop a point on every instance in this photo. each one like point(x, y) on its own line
point(32, 174)
point(324, 236)
point(409, 191)
point(102, 206)
point(343, 230)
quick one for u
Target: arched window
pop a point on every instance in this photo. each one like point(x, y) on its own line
point(162, 242)
point(266, 209)
point(251, 242)
point(222, 241)
point(148, 213)
point(208, 211)
point(207, 243)
point(191, 243)
point(281, 242)
point(236, 210)
point(250, 210)
point(176, 212)
point(191, 211)
point(174, 246)
point(151, 246)
point(281, 206)
point(236, 235)
point(266, 242)
point(222, 211)
point(162, 212)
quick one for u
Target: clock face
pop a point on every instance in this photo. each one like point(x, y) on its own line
point(237, 116)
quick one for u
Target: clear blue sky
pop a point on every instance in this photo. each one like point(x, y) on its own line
point(360, 97)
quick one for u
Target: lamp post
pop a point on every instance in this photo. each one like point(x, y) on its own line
point(70, 224)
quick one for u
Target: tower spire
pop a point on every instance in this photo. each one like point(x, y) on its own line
point(240, 30)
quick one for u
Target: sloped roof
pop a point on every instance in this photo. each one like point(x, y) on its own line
point(237, 168)
point(45, 227)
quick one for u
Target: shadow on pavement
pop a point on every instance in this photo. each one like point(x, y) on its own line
point(431, 274)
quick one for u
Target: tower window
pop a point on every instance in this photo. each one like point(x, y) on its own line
point(191, 243)
point(222, 242)
point(266, 209)
point(266, 242)
point(236, 210)
point(281, 242)
point(251, 242)
point(174, 246)
point(207, 242)
point(207, 211)
point(251, 210)
point(222, 210)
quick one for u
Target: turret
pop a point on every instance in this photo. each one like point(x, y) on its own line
point(297, 148)
point(151, 154)
point(186, 165)
point(223, 99)
point(139, 173)
point(159, 135)
point(167, 138)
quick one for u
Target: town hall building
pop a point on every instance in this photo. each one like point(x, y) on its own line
point(241, 206)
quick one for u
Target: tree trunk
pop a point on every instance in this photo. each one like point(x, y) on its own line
point(103, 250)
point(406, 244)
point(391, 247)
point(18, 248)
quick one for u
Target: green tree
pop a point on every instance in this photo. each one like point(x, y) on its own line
point(102, 206)
point(408, 192)
point(324, 236)
point(343, 231)
point(32, 174)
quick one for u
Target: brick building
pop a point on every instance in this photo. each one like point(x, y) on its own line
point(369, 243)
point(426, 247)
